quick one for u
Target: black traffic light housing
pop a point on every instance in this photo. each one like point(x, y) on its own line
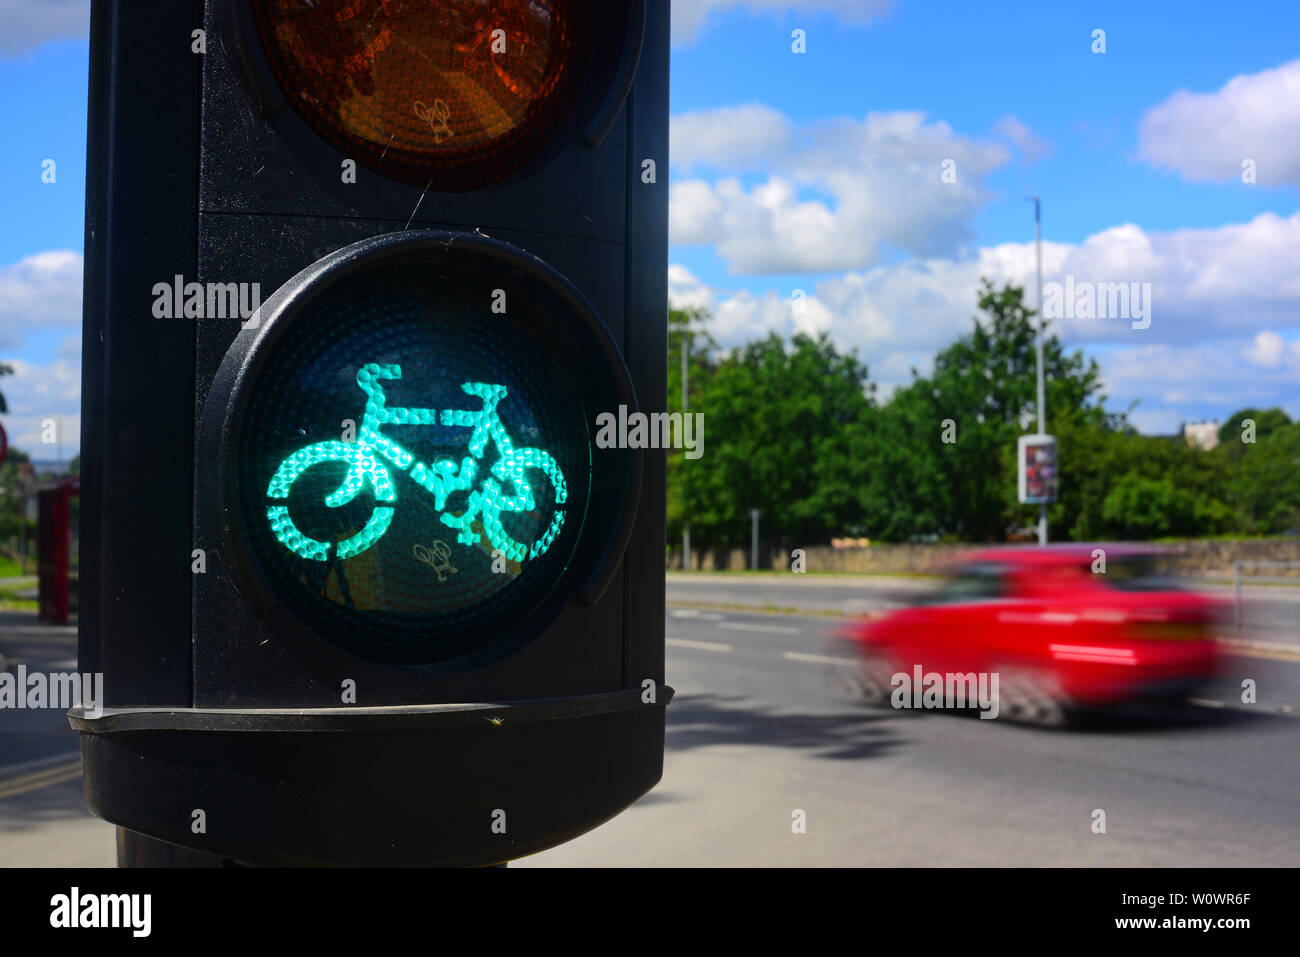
point(228, 690)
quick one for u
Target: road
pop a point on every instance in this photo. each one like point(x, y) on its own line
point(841, 594)
point(758, 732)
point(821, 593)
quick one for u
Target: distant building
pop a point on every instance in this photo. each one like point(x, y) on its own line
point(1201, 435)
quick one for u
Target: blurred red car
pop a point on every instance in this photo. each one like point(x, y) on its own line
point(1061, 636)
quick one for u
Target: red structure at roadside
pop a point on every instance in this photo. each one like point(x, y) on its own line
point(57, 547)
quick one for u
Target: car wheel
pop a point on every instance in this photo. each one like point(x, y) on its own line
point(1032, 696)
point(873, 678)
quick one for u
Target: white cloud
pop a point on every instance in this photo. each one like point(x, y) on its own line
point(30, 23)
point(1266, 350)
point(685, 291)
point(42, 291)
point(745, 316)
point(1225, 307)
point(727, 137)
point(1206, 136)
point(36, 393)
point(1032, 147)
point(1188, 379)
point(689, 17)
point(836, 195)
point(1225, 280)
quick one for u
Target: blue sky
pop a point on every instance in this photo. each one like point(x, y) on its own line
point(822, 172)
point(1031, 60)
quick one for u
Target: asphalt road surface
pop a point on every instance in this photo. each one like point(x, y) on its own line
point(759, 732)
point(819, 593)
point(840, 594)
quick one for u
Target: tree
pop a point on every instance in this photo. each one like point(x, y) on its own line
point(945, 459)
point(11, 500)
point(5, 369)
point(1261, 479)
point(778, 420)
point(1261, 423)
point(1138, 507)
point(793, 429)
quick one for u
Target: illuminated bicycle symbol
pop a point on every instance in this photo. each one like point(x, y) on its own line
point(488, 502)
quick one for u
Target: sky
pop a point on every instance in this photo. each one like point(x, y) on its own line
point(864, 186)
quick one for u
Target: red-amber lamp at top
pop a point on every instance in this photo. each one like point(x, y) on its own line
point(447, 95)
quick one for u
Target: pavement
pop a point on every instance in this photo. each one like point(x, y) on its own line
point(43, 816)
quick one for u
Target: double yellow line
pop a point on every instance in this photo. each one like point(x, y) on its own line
point(43, 778)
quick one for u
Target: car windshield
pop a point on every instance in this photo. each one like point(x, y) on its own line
point(978, 582)
point(1137, 573)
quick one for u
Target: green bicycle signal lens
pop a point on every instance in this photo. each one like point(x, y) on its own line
point(414, 470)
point(363, 469)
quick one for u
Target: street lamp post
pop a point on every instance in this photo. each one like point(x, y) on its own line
point(1042, 318)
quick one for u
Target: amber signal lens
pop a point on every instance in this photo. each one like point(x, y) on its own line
point(448, 95)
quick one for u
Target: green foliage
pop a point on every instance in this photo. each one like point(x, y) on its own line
point(793, 428)
point(1261, 479)
point(985, 384)
point(1138, 507)
point(776, 444)
point(11, 500)
point(1266, 423)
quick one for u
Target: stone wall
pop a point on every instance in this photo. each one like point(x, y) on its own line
point(1209, 558)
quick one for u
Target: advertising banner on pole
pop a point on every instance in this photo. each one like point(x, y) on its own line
point(1036, 469)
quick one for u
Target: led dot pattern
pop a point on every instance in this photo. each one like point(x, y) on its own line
point(449, 95)
point(414, 471)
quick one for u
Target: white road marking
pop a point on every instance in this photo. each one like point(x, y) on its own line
point(1282, 710)
point(818, 659)
point(859, 605)
point(746, 626)
point(700, 645)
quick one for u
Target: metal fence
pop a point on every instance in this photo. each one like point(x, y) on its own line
point(1266, 595)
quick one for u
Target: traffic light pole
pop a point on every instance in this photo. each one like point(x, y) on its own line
point(137, 850)
point(299, 683)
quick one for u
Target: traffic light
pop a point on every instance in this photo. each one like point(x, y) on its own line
point(360, 277)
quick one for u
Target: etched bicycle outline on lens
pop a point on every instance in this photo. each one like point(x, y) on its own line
point(439, 112)
point(437, 556)
point(443, 477)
